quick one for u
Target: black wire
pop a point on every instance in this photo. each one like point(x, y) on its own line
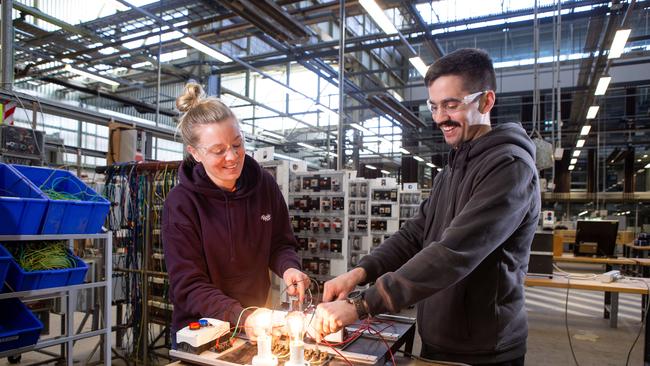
point(566, 319)
point(643, 320)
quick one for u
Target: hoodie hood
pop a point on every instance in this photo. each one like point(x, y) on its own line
point(506, 133)
point(192, 175)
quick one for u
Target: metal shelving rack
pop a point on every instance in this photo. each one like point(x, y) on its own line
point(70, 291)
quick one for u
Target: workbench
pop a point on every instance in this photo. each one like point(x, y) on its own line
point(397, 332)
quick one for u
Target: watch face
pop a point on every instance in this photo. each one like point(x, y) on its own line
point(354, 295)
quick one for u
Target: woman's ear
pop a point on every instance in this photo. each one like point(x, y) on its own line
point(194, 152)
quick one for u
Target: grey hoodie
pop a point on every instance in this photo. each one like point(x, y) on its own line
point(464, 257)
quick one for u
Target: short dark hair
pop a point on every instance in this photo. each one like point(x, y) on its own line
point(471, 64)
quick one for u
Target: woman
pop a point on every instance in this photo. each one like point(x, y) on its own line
point(226, 222)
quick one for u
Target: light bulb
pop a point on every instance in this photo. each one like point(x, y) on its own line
point(262, 329)
point(263, 322)
point(296, 325)
point(295, 321)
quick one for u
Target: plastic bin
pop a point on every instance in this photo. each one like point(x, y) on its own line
point(22, 204)
point(83, 216)
point(18, 326)
point(21, 280)
point(5, 261)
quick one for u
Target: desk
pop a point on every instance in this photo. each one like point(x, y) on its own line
point(570, 258)
point(366, 350)
point(614, 288)
point(630, 287)
point(631, 250)
point(399, 360)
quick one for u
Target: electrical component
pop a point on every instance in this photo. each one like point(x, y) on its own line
point(262, 330)
point(611, 276)
point(200, 336)
point(296, 325)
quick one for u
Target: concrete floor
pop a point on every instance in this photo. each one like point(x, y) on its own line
point(594, 342)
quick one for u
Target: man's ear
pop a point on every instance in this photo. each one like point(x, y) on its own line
point(486, 102)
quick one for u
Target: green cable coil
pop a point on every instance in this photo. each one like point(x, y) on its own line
point(42, 256)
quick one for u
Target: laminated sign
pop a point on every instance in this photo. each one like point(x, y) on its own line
point(543, 152)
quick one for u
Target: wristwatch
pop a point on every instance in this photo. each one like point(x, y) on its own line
point(356, 298)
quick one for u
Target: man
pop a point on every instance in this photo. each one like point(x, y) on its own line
point(464, 257)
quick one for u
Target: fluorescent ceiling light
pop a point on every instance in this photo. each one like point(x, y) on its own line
point(419, 65)
point(592, 112)
point(583, 213)
point(439, 169)
point(90, 76)
point(574, 161)
point(371, 167)
point(585, 130)
point(271, 134)
point(377, 14)
point(404, 151)
point(431, 165)
point(307, 146)
point(418, 158)
point(618, 44)
point(285, 157)
point(603, 83)
point(358, 127)
point(385, 171)
point(141, 64)
point(647, 166)
point(571, 167)
point(576, 153)
point(580, 143)
point(205, 49)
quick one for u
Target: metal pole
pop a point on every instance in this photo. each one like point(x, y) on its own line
point(340, 138)
point(559, 86)
point(108, 297)
point(7, 45)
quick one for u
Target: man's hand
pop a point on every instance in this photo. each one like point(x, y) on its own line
point(339, 287)
point(332, 316)
point(296, 282)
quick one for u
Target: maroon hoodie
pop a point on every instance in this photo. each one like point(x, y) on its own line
point(220, 245)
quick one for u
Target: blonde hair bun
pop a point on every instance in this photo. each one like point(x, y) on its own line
point(191, 97)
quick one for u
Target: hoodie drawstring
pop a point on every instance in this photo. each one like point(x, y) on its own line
point(232, 251)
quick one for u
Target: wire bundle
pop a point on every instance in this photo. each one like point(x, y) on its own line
point(83, 194)
point(43, 256)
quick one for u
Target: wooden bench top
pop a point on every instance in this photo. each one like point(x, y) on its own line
point(560, 281)
point(570, 258)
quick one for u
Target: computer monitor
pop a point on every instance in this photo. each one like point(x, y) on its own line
point(596, 238)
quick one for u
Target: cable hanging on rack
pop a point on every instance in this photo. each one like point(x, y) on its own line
point(137, 193)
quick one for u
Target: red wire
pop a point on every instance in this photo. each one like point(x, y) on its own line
point(370, 329)
point(337, 352)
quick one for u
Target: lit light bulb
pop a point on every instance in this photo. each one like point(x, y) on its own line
point(296, 326)
point(262, 328)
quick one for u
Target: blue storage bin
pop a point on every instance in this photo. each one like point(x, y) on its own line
point(18, 326)
point(5, 260)
point(22, 205)
point(83, 216)
point(20, 280)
